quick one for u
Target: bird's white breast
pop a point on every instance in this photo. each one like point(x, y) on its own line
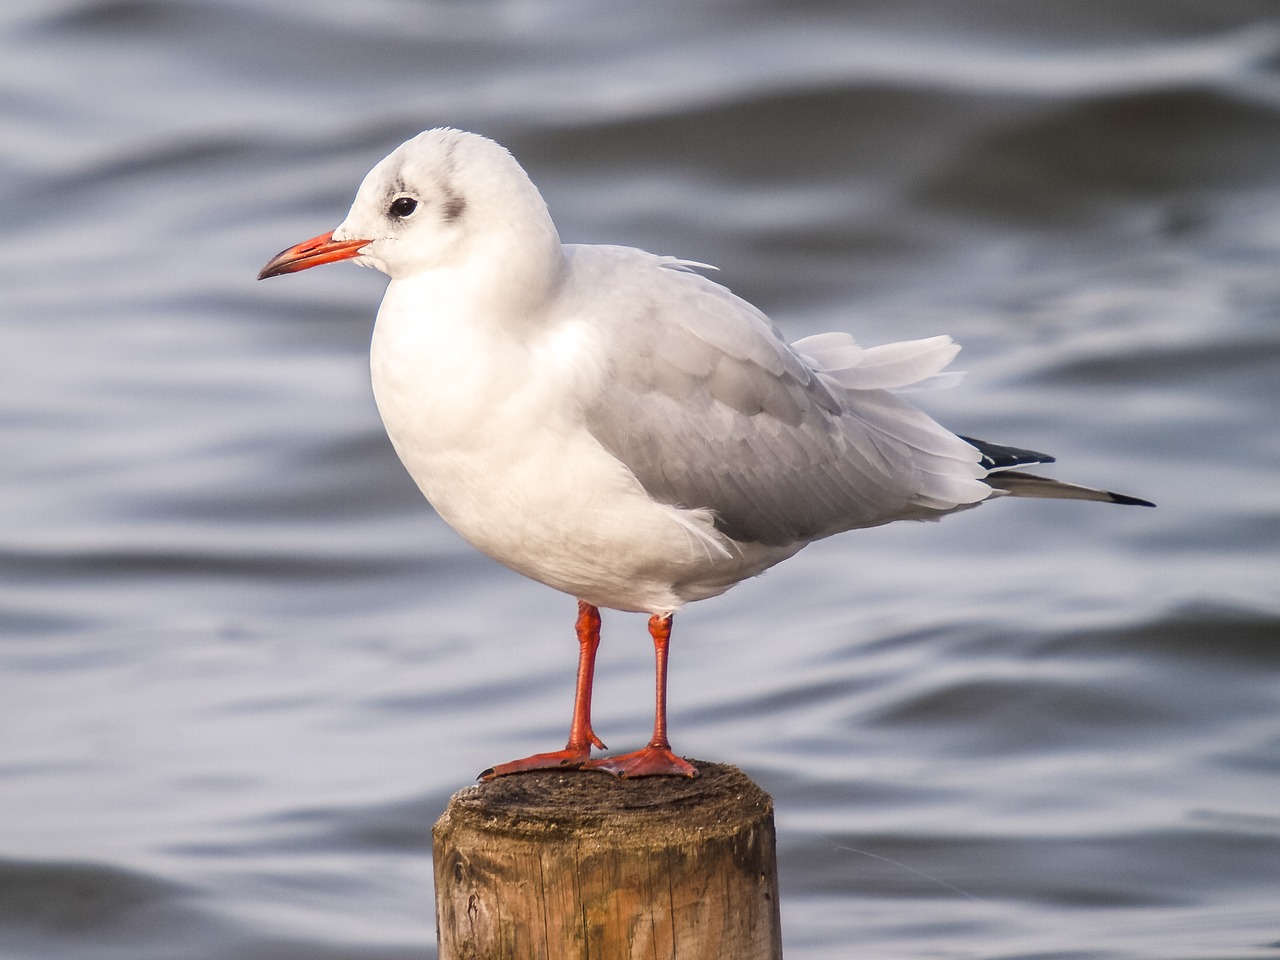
point(487, 419)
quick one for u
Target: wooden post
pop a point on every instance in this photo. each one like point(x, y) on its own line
point(574, 865)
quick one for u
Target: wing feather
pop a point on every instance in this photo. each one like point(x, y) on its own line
point(709, 408)
point(890, 366)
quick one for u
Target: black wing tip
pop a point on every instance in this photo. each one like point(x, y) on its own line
point(1129, 501)
point(998, 456)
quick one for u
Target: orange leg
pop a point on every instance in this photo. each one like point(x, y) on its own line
point(581, 737)
point(656, 759)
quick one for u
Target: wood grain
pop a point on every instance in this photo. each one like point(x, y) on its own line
point(568, 865)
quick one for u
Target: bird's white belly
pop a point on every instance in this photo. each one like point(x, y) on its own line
point(486, 433)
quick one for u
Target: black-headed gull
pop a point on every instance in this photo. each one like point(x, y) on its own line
point(615, 425)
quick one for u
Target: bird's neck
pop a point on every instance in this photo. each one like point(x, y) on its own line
point(509, 279)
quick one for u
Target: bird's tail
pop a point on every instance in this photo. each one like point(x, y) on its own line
point(999, 462)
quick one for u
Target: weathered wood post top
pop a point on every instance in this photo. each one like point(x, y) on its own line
point(557, 865)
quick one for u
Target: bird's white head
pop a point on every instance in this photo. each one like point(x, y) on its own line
point(443, 199)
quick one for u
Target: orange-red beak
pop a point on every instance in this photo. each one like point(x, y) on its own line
point(312, 253)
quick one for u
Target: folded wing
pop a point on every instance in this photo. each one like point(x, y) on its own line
point(710, 408)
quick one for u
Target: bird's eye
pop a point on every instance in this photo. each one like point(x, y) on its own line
point(403, 207)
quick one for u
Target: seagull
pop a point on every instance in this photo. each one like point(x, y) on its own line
point(617, 426)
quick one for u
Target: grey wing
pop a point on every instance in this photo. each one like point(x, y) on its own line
point(710, 408)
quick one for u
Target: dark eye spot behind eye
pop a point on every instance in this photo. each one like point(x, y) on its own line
point(452, 209)
point(403, 206)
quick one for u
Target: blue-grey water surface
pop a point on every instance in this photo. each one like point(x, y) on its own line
point(243, 665)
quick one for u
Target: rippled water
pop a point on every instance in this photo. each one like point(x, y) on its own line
point(243, 666)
